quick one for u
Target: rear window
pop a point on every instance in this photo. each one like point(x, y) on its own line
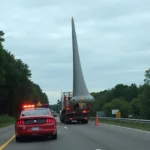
point(35, 112)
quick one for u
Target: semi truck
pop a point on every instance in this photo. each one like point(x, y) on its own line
point(73, 111)
point(76, 105)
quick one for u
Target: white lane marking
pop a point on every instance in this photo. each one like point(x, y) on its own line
point(98, 149)
point(65, 127)
point(127, 128)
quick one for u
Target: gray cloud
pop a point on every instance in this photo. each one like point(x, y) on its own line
point(113, 39)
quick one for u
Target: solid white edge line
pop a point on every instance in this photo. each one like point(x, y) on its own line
point(127, 128)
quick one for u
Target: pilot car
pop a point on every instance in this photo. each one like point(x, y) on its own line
point(35, 121)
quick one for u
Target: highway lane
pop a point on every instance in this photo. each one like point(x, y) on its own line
point(114, 137)
point(6, 133)
point(66, 141)
point(89, 137)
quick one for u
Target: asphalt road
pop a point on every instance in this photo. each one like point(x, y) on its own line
point(85, 137)
point(6, 133)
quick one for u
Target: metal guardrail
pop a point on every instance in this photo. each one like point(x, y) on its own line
point(140, 121)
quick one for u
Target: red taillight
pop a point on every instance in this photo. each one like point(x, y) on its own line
point(84, 111)
point(68, 108)
point(49, 120)
point(20, 122)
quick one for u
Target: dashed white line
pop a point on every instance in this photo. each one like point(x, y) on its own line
point(98, 149)
point(65, 127)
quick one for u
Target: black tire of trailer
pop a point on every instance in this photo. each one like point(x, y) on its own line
point(67, 122)
point(62, 120)
point(84, 121)
point(87, 121)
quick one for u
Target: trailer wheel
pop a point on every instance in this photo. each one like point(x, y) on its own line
point(62, 120)
point(84, 121)
point(66, 122)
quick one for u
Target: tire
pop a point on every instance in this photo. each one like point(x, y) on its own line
point(67, 122)
point(61, 120)
point(86, 121)
point(54, 137)
point(82, 121)
point(18, 139)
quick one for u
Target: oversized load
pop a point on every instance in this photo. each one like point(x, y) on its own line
point(66, 101)
point(76, 105)
point(80, 91)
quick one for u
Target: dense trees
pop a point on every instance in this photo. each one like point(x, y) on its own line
point(16, 86)
point(130, 100)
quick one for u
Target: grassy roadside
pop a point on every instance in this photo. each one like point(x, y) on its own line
point(6, 120)
point(145, 127)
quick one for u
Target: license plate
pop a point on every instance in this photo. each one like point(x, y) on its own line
point(35, 128)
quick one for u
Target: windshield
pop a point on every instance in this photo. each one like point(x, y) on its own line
point(35, 112)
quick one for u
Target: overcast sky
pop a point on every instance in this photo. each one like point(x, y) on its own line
point(113, 40)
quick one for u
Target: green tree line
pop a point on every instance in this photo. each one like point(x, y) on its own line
point(16, 86)
point(130, 100)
